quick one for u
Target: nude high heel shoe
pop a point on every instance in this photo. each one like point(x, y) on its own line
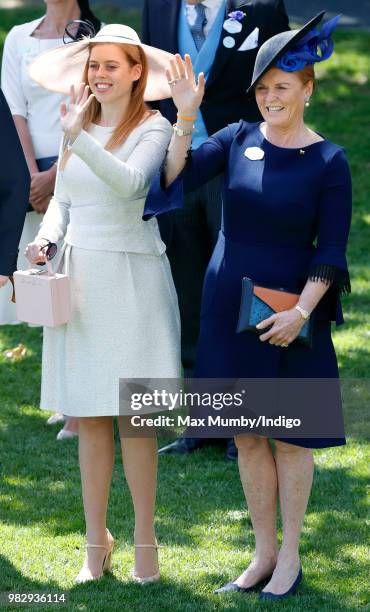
point(55, 419)
point(85, 574)
point(146, 579)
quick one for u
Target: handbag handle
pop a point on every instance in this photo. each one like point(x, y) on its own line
point(49, 254)
point(49, 268)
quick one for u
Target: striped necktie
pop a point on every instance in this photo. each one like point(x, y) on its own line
point(197, 29)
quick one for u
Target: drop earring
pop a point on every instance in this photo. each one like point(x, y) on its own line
point(307, 102)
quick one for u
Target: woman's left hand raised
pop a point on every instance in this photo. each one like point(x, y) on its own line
point(285, 328)
point(72, 116)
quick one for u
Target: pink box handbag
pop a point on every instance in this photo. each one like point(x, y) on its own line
point(42, 296)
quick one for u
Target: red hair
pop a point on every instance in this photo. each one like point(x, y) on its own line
point(136, 109)
point(307, 74)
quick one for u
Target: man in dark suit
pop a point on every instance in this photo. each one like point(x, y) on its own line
point(14, 192)
point(222, 38)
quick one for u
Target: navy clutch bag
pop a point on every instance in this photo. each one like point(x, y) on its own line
point(43, 164)
point(259, 303)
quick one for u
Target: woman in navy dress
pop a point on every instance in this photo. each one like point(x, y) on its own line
point(284, 187)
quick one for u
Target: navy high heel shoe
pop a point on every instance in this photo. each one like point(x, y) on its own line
point(291, 591)
point(232, 586)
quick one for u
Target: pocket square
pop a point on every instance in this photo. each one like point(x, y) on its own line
point(251, 42)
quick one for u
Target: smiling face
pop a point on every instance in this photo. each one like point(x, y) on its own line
point(110, 75)
point(281, 97)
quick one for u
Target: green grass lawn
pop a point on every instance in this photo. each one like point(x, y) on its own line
point(202, 522)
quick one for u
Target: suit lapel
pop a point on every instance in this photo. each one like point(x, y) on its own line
point(223, 54)
point(233, 5)
point(169, 17)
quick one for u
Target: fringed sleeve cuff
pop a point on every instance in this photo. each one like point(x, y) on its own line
point(338, 278)
point(329, 263)
point(161, 199)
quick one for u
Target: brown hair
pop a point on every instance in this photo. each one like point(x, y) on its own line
point(136, 109)
point(307, 74)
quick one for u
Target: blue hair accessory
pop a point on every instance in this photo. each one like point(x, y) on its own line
point(316, 46)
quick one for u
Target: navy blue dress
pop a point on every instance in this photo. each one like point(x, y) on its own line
point(286, 218)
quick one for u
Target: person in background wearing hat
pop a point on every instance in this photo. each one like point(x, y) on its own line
point(36, 115)
point(125, 322)
point(285, 185)
point(14, 189)
point(222, 38)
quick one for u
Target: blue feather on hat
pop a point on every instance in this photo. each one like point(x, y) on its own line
point(316, 46)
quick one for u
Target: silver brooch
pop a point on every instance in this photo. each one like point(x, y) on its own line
point(228, 42)
point(232, 26)
point(254, 153)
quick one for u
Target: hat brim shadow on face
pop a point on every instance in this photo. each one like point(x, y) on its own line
point(273, 48)
point(58, 69)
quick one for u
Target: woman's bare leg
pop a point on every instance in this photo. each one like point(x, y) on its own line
point(259, 479)
point(294, 466)
point(96, 453)
point(140, 459)
point(71, 424)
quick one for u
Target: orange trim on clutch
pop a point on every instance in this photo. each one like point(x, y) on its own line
point(277, 300)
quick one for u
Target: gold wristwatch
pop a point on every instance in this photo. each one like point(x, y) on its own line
point(304, 313)
point(181, 132)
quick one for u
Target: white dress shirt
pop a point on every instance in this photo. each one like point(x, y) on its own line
point(212, 7)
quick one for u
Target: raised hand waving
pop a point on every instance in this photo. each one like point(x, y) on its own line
point(72, 116)
point(187, 94)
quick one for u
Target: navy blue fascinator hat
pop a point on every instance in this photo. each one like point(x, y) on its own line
point(294, 49)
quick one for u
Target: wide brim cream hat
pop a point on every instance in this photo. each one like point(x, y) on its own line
point(63, 66)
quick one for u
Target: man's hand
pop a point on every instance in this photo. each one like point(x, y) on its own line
point(42, 206)
point(42, 186)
